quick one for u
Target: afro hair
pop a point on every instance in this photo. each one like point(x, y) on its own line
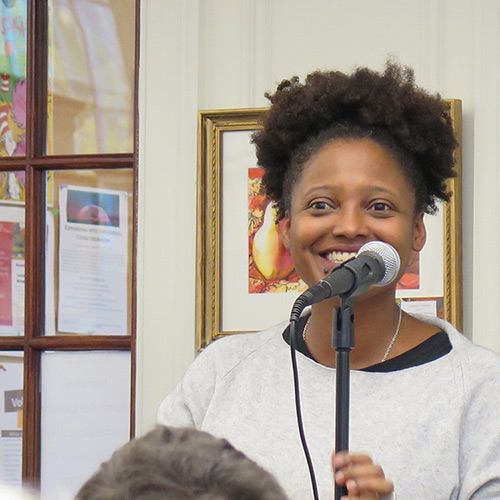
point(388, 107)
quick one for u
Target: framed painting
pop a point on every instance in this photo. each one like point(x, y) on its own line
point(245, 278)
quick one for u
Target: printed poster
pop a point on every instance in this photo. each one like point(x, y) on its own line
point(11, 270)
point(11, 418)
point(93, 259)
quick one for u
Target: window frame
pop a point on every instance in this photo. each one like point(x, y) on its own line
point(36, 164)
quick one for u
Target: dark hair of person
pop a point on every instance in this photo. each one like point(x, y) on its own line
point(180, 464)
point(387, 107)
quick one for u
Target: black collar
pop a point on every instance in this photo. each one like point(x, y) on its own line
point(431, 349)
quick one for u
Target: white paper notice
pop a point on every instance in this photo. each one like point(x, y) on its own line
point(18, 295)
point(93, 241)
point(427, 307)
point(85, 416)
point(50, 308)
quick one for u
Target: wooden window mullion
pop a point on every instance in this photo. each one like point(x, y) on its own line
point(31, 417)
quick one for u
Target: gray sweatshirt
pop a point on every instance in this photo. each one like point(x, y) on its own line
point(434, 428)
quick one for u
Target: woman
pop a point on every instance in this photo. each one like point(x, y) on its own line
point(350, 159)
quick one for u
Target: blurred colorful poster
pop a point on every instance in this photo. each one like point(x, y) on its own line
point(11, 417)
point(6, 233)
point(49, 193)
point(13, 37)
point(93, 259)
point(11, 271)
point(411, 279)
point(13, 77)
point(270, 266)
point(13, 187)
point(93, 207)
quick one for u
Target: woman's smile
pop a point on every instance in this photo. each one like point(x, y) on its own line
point(338, 257)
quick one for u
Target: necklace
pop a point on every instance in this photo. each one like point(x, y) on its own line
point(391, 343)
point(305, 328)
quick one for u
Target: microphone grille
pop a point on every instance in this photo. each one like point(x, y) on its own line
point(390, 257)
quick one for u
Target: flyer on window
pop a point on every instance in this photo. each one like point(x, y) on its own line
point(11, 418)
point(93, 243)
point(11, 270)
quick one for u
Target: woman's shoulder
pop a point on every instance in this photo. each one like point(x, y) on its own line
point(232, 349)
point(219, 363)
point(472, 357)
point(479, 364)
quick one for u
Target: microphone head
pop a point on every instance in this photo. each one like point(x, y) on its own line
point(389, 256)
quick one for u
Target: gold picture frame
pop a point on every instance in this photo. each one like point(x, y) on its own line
point(224, 150)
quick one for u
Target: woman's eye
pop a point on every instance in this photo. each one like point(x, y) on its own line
point(320, 205)
point(380, 207)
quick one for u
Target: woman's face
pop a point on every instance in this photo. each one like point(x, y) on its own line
point(352, 191)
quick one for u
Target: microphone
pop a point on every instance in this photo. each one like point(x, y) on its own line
point(376, 263)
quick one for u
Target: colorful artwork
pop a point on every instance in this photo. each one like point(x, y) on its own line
point(91, 207)
point(12, 117)
point(13, 78)
point(13, 186)
point(411, 279)
point(12, 237)
point(13, 38)
point(270, 263)
point(6, 273)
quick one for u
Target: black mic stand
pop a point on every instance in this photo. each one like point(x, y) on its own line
point(342, 342)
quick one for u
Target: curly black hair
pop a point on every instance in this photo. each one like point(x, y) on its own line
point(387, 107)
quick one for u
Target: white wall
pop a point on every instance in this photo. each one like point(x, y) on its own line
point(210, 54)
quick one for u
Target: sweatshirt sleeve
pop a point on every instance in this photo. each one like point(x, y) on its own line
point(480, 432)
point(187, 404)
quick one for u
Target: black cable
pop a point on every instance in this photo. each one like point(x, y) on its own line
point(293, 324)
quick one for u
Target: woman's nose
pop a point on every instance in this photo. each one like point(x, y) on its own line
point(350, 222)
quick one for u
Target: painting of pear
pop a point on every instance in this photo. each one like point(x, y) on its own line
point(270, 256)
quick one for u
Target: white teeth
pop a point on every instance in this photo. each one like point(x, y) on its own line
point(340, 256)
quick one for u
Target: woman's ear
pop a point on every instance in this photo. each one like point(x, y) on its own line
point(419, 233)
point(285, 230)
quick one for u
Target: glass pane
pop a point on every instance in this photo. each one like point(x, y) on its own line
point(91, 76)
point(89, 252)
point(85, 416)
point(12, 196)
point(13, 78)
point(11, 417)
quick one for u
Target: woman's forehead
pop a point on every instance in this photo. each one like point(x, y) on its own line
point(352, 156)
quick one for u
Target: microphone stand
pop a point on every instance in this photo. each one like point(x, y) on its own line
point(342, 342)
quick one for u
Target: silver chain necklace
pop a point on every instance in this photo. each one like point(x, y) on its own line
point(391, 343)
point(389, 347)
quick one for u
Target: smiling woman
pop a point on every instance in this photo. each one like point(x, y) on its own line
point(348, 160)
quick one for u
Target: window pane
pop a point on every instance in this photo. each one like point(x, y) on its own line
point(12, 193)
point(11, 417)
point(13, 78)
point(91, 76)
point(85, 416)
point(89, 252)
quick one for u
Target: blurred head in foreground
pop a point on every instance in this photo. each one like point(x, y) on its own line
point(181, 464)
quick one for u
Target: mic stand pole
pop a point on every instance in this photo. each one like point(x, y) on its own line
point(342, 342)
